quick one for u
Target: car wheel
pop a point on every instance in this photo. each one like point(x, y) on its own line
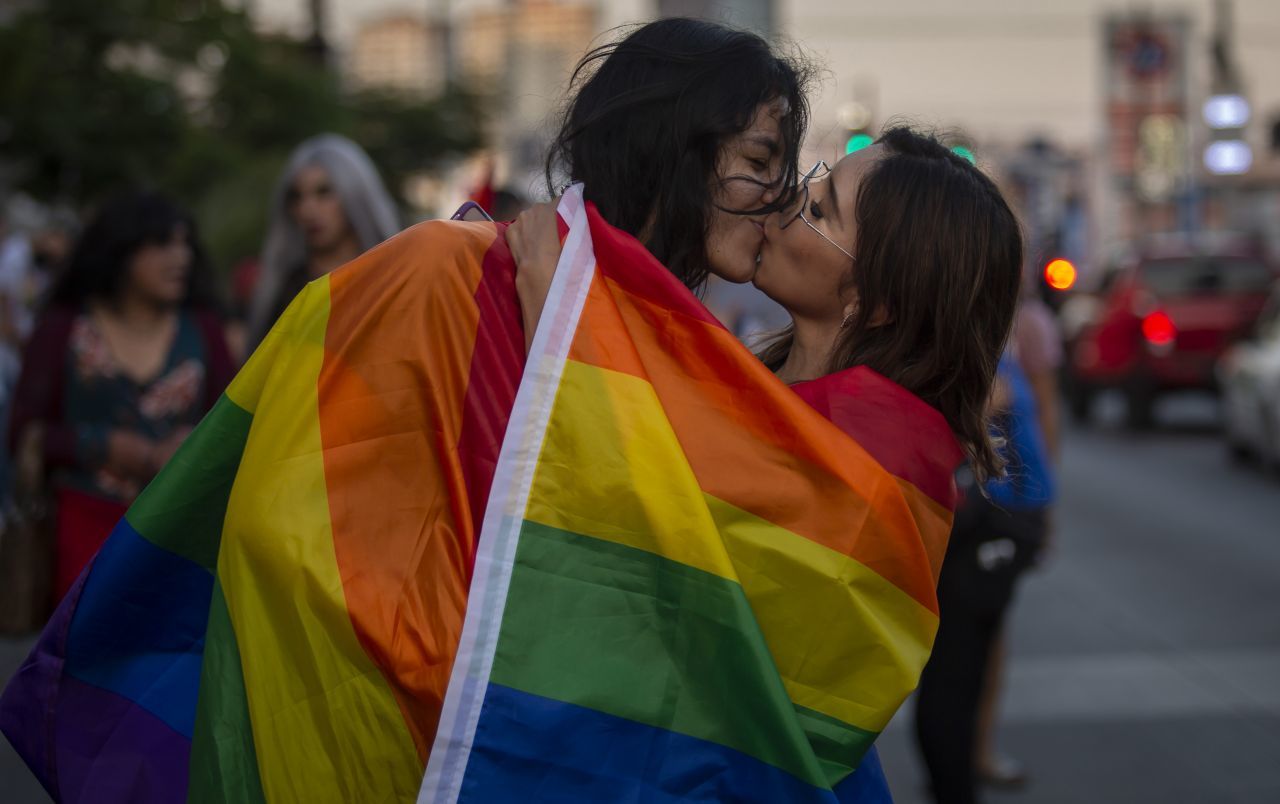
point(1238, 450)
point(1080, 402)
point(1141, 406)
point(1269, 450)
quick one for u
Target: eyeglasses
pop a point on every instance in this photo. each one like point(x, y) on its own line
point(818, 172)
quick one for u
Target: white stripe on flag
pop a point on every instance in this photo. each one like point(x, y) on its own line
point(508, 498)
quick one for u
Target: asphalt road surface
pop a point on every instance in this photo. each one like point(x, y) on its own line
point(1146, 656)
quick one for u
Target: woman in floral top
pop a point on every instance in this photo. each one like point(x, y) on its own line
point(124, 362)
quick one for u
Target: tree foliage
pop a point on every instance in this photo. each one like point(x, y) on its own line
point(186, 96)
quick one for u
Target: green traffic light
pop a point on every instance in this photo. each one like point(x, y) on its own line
point(857, 142)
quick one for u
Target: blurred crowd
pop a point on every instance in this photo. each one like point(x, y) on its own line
point(117, 336)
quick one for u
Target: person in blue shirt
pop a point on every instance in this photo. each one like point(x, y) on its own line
point(999, 531)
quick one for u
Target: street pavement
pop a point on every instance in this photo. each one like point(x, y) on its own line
point(17, 785)
point(1145, 657)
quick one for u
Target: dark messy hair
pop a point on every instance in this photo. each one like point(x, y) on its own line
point(646, 121)
point(937, 272)
point(99, 263)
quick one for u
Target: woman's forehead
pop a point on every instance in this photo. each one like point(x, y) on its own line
point(768, 117)
point(851, 168)
point(311, 173)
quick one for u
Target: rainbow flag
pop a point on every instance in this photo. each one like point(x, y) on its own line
point(641, 569)
point(732, 599)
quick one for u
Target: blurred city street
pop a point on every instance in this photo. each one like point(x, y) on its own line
point(1143, 666)
point(1143, 669)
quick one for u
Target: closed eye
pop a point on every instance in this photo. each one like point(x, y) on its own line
point(815, 211)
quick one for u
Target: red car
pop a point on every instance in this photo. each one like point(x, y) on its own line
point(1161, 325)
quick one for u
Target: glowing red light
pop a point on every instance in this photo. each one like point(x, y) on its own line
point(1060, 274)
point(1158, 329)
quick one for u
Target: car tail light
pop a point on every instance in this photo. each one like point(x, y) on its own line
point(1158, 329)
point(1060, 274)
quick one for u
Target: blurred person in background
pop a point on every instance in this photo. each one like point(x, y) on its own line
point(329, 207)
point(744, 310)
point(16, 266)
point(508, 203)
point(126, 359)
point(52, 243)
point(1037, 346)
point(22, 283)
point(999, 532)
point(28, 265)
point(17, 262)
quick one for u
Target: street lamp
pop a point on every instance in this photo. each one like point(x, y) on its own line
point(1226, 111)
point(1228, 157)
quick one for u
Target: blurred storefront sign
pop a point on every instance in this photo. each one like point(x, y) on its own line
point(1161, 166)
point(1146, 127)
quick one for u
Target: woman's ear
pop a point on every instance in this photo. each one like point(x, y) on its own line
point(850, 310)
point(880, 318)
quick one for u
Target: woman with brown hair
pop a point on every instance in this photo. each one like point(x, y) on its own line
point(902, 260)
point(125, 361)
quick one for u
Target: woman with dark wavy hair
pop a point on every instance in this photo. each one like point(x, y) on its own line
point(685, 134)
point(127, 358)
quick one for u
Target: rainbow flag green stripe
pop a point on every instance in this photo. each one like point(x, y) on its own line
point(224, 763)
point(627, 649)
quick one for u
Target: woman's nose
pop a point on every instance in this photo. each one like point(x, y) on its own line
point(771, 193)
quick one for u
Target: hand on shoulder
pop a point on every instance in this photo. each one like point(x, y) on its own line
point(534, 240)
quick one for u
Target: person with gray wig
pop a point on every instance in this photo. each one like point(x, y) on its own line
point(329, 207)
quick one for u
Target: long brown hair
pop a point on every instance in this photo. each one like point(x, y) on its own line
point(937, 271)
